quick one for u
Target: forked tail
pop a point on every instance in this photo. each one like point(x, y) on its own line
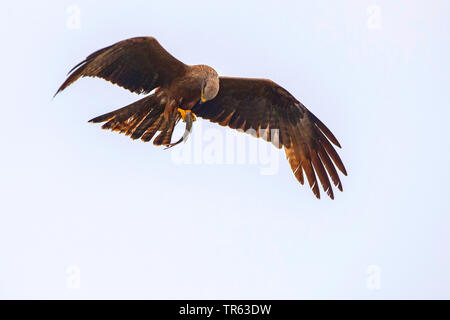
point(143, 119)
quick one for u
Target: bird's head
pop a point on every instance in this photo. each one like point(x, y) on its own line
point(210, 86)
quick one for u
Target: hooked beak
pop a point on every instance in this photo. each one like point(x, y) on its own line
point(202, 98)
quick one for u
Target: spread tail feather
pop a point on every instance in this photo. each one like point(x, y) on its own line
point(141, 119)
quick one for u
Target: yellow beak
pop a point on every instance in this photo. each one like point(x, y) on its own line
point(202, 98)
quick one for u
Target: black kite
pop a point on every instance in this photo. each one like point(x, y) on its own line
point(258, 106)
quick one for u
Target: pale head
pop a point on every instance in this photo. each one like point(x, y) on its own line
point(209, 83)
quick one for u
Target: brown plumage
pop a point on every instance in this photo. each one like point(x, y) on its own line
point(257, 106)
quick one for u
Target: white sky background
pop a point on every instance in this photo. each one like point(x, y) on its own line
point(87, 213)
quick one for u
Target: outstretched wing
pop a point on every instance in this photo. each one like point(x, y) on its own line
point(264, 109)
point(138, 64)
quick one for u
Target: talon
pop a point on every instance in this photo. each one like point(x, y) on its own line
point(183, 114)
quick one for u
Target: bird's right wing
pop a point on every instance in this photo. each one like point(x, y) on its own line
point(264, 109)
point(138, 64)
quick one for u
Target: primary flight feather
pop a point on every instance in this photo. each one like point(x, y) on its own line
point(257, 106)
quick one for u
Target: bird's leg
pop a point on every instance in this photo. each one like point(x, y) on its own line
point(188, 117)
point(184, 112)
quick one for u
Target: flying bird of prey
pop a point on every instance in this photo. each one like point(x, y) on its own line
point(257, 106)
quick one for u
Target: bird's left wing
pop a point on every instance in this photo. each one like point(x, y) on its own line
point(264, 109)
point(138, 64)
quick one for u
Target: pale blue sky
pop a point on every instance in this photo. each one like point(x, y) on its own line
point(137, 225)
